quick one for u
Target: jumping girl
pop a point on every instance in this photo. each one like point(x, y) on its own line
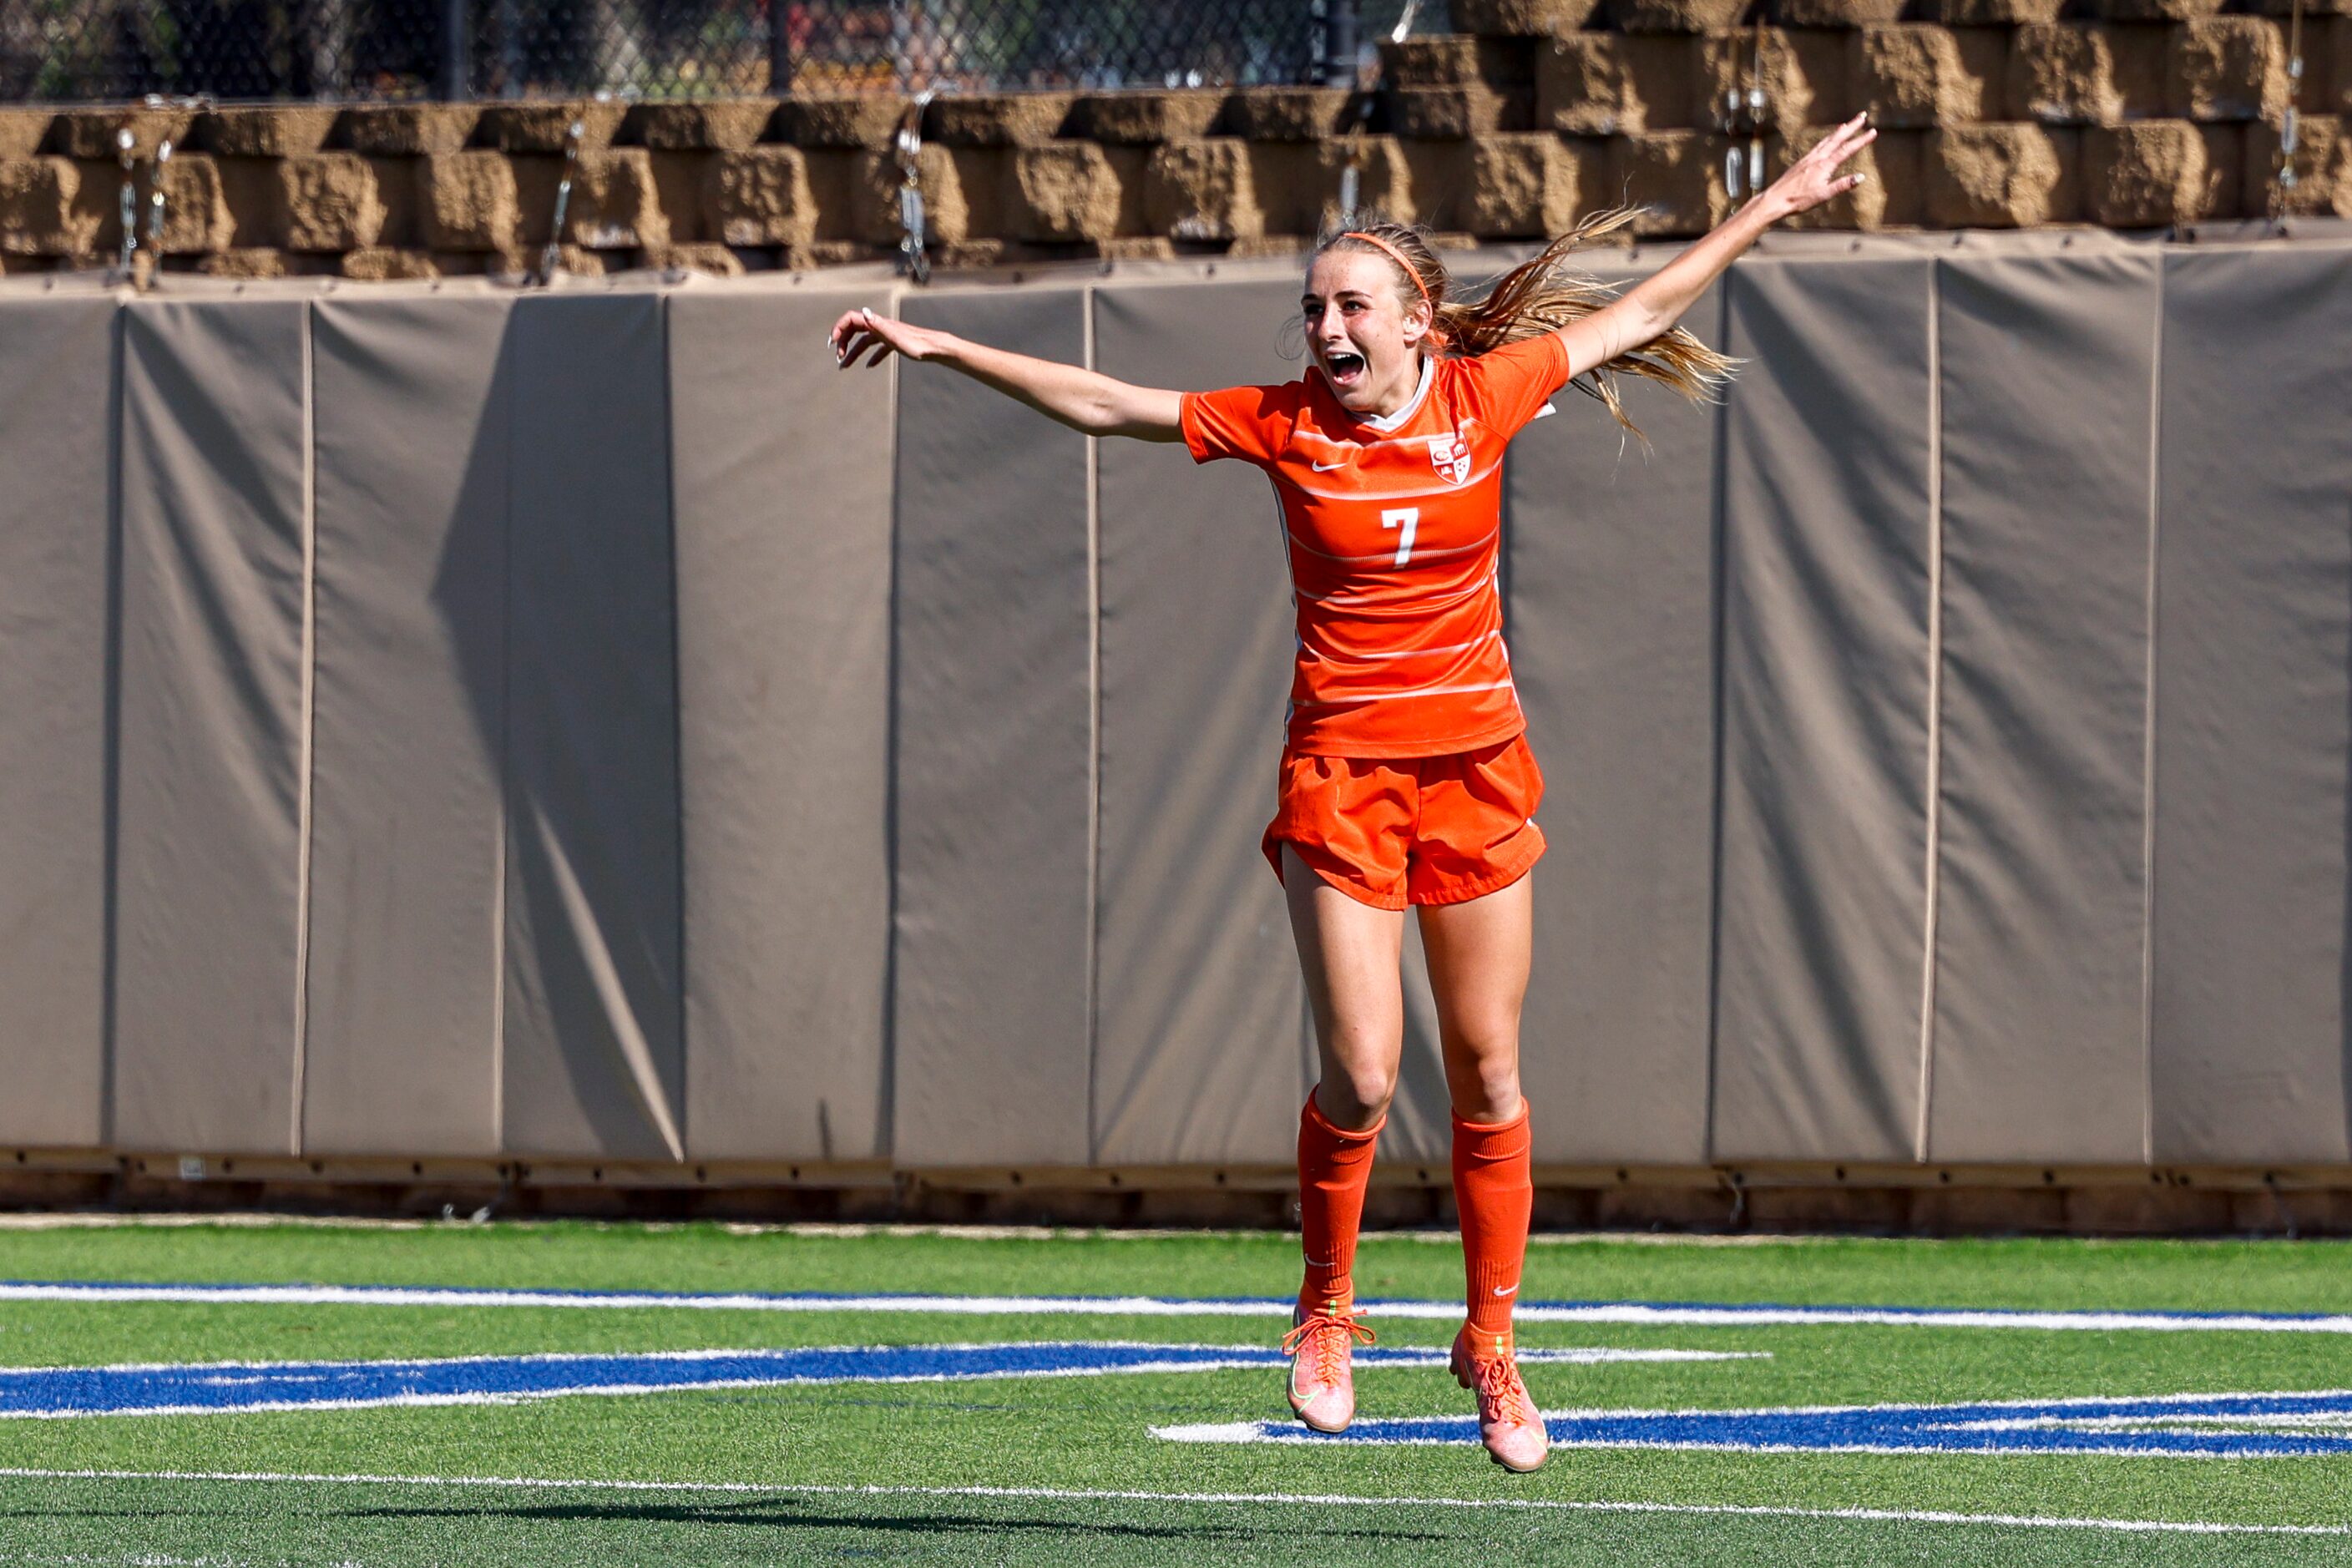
point(1405, 776)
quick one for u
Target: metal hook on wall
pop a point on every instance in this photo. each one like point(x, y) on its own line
point(155, 202)
point(1351, 172)
point(1743, 114)
point(2290, 126)
point(125, 145)
point(551, 261)
point(914, 257)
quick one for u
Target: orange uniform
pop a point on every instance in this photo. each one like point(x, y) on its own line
point(1394, 531)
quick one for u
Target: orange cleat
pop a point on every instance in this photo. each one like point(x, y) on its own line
point(1322, 1379)
point(1509, 1421)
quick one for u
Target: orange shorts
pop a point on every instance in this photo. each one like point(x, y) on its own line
point(1422, 830)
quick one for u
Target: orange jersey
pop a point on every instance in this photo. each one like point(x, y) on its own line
point(1394, 530)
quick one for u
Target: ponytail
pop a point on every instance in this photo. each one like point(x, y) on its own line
point(1539, 295)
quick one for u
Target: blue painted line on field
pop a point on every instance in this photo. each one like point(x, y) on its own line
point(2217, 1425)
point(221, 1387)
point(1698, 1314)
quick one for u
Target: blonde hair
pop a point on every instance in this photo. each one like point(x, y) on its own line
point(1539, 295)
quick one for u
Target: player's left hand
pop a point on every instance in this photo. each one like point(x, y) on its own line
point(1814, 178)
point(870, 335)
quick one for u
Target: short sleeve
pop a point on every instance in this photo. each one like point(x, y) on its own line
point(1252, 423)
point(1517, 379)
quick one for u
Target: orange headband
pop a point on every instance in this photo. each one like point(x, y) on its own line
point(1398, 256)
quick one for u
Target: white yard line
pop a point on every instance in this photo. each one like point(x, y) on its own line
point(1275, 1500)
point(1634, 1313)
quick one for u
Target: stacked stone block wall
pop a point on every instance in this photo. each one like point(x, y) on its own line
point(2131, 114)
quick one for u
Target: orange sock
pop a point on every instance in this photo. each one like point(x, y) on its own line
point(1334, 1166)
point(1494, 1192)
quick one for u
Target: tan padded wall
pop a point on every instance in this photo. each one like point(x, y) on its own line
point(594, 1035)
point(2253, 689)
point(1611, 570)
point(1201, 1043)
point(408, 848)
point(57, 537)
point(208, 892)
point(993, 752)
point(782, 514)
point(1827, 528)
point(2047, 367)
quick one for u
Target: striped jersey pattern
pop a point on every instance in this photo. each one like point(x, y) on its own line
point(1394, 531)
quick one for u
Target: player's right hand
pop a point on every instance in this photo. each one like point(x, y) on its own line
point(875, 337)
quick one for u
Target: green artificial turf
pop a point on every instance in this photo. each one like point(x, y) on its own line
point(1090, 1435)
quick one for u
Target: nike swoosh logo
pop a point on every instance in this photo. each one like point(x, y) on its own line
point(1326, 468)
point(1505, 1289)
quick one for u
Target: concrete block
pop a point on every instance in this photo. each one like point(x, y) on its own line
point(2153, 10)
point(1990, 12)
point(704, 125)
point(2001, 175)
point(196, 216)
point(614, 204)
point(1917, 75)
point(90, 132)
point(1288, 113)
point(2063, 73)
point(2149, 173)
point(2226, 67)
point(1061, 192)
point(1836, 13)
point(1453, 113)
point(717, 261)
point(1144, 119)
point(387, 263)
point(246, 262)
point(543, 127)
point(1675, 177)
point(2323, 168)
point(1459, 59)
point(1609, 84)
point(759, 196)
point(1528, 186)
point(1675, 15)
point(414, 129)
point(330, 203)
point(39, 213)
point(998, 120)
point(1204, 189)
point(276, 130)
point(848, 119)
point(23, 131)
point(468, 200)
point(1522, 18)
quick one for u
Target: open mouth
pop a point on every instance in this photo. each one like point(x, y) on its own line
point(1344, 369)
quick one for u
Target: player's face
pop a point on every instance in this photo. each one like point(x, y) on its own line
point(1364, 339)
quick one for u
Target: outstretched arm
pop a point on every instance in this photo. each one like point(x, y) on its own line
point(1081, 398)
point(1651, 307)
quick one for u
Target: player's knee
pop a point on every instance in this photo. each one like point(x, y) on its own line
point(1356, 1098)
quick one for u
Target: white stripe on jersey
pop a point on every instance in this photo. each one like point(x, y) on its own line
point(1405, 653)
point(1390, 554)
point(1283, 479)
point(1391, 696)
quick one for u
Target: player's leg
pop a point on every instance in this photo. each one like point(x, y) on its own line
point(1478, 959)
point(1348, 952)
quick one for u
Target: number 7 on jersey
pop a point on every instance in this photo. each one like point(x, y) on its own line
point(1404, 518)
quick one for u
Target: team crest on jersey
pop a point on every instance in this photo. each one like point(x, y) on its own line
point(1450, 456)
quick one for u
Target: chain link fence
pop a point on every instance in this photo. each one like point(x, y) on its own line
point(90, 51)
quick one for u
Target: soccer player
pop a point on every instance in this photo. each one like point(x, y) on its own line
point(1405, 777)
